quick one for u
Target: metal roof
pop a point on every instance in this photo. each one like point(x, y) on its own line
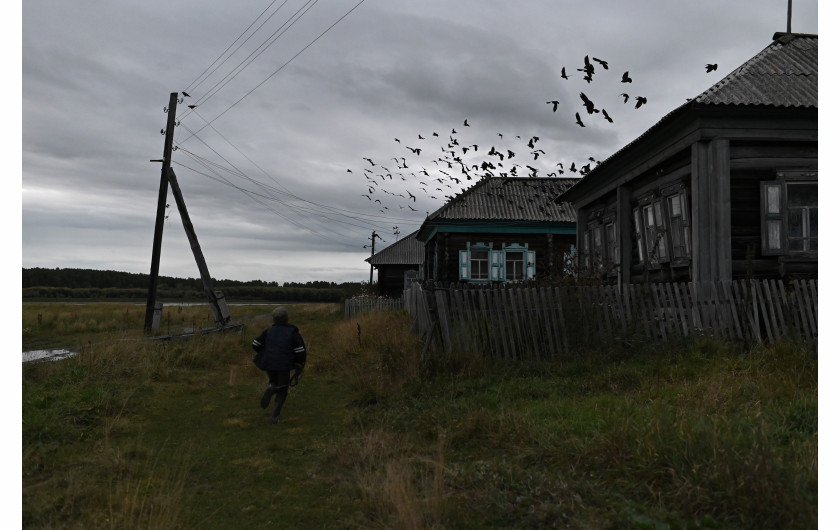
point(510, 199)
point(784, 74)
point(406, 251)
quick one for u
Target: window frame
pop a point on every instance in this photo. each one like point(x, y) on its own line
point(780, 216)
point(677, 225)
point(653, 231)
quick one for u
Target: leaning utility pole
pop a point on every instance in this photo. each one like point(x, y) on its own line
point(167, 178)
point(161, 212)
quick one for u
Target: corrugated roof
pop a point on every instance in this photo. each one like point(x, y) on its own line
point(784, 74)
point(510, 199)
point(406, 251)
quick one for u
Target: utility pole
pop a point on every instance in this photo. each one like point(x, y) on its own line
point(161, 212)
point(373, 237)
point(167, 179)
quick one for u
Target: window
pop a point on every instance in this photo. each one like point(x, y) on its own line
point(656, 250)
point(600, 244)
point(611, 243)
point(481, 263)
point(662, 227)
point(514, 266)
point(680, 227)
point(789, 215)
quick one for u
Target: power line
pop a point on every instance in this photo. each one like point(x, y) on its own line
point(291, 21)
point(270, 189)
point(281, 67)
point(195, 83)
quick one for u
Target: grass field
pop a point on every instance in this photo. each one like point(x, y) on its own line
point(143, 434)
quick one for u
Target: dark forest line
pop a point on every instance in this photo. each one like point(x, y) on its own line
point(43, 283)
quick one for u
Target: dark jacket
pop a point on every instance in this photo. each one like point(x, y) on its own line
point(281, 346)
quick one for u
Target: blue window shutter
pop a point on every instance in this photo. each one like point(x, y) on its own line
point(463, 264)
point(530, 264)
point(497, 265)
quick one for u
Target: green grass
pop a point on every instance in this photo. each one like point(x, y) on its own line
point(169, 435)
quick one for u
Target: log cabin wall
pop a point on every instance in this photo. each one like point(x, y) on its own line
point(753, 162)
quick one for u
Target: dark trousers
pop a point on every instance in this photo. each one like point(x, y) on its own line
point(280, 380)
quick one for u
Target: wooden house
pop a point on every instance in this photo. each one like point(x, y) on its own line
point(398, 265)
point(499, 230)
point(724, 187)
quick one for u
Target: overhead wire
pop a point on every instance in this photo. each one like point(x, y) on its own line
point(313, 41)
point(269, 195)
point(291, 21)
point(270, 189)
point(256, 198)
point(196, 83)
point(269, 192)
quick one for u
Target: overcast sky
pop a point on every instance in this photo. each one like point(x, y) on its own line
point(292, 97)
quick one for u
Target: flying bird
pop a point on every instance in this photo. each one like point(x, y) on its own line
point(625, 96)
point(532, 141)
point(711, 67)
point(555, 103)
point(563, 73)
point(190, 106)
point(368, 196)
point(577, 120)
point(590, 107)
point(369, 160)
point(588, 69)
point(640, 101)
point(602, 63)
point(625, 77)
point(187, 95)
point(466, 124)
point(606, 116)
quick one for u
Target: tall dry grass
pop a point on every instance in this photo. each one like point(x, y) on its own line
point(375, 355)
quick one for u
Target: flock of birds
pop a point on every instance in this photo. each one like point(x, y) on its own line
point(441, 165)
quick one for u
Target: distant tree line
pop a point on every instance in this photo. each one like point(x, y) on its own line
point(94, 284)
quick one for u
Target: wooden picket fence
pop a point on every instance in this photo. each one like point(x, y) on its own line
point(548, 322)
point(357, 307)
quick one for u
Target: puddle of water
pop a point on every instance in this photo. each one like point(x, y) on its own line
point(47, 355)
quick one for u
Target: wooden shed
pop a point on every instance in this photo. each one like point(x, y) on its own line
point(500, 230)
point(723, 187)
point(398, 265)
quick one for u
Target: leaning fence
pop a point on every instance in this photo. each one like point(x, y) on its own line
point(357, 307)
point(547, 322)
